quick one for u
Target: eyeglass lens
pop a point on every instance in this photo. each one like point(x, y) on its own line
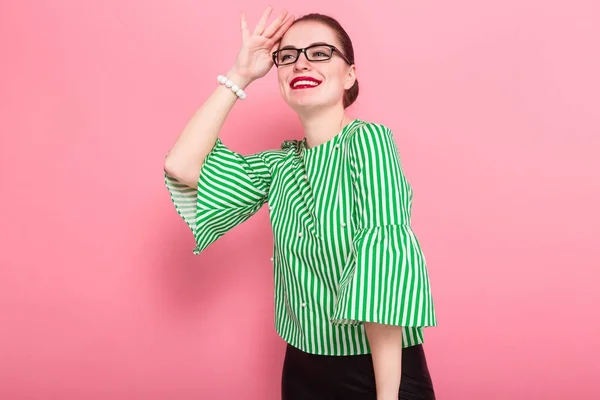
point(316, 53)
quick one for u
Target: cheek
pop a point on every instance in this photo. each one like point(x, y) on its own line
point(336, 85)
point(281, 79)
point(337, 79)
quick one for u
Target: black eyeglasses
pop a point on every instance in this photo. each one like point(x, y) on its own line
point(316, 53)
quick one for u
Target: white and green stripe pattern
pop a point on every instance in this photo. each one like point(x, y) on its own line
point(344, 251)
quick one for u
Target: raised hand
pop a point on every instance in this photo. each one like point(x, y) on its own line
point(254, 59)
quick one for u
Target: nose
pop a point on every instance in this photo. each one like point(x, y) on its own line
point(302, 63)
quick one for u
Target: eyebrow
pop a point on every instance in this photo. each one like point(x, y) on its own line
point(312, 44)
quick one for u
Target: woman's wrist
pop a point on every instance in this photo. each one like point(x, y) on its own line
point(238, 78)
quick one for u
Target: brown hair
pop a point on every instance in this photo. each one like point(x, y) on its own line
point(346, 47)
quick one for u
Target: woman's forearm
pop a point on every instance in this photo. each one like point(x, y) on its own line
point(385, 342)
point(187, 155)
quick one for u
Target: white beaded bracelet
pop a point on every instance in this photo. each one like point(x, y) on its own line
point(234, 88)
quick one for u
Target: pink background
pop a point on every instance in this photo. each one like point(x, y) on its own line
point(496, 108)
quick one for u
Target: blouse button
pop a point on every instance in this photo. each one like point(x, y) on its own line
point(303, 305)
point(270, 207)
point(337, 146)
point(272, 259)
point(299, 234)
point(343, 224)
point(305, 177)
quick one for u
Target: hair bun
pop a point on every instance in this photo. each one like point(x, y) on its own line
point(351, 94)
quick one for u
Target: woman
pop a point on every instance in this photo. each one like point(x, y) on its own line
point(352, 293)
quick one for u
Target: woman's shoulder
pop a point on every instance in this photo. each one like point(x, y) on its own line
point(369, 131)
point(358, 129)
point(274, 157)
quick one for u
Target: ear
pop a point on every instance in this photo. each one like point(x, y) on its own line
point(350, 78)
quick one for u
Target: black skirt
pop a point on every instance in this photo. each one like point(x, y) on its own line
point(316, 377)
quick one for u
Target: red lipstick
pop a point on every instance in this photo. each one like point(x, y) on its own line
point(304, 82)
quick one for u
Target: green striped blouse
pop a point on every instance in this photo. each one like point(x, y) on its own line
point(344, 251)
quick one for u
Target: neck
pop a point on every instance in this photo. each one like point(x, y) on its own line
point(321, 127)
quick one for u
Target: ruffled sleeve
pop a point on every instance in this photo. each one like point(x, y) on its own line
point(231, 188)
point(386, 280)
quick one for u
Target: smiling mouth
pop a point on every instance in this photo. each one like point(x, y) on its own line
point(303, 83)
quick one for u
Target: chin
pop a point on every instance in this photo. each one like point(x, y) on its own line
point(305, 104)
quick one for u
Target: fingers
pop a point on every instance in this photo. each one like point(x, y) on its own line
point(275, 24)
point(283, 28)
point(263, 21)
point(244, 26)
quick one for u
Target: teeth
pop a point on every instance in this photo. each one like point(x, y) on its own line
point(311, 83)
